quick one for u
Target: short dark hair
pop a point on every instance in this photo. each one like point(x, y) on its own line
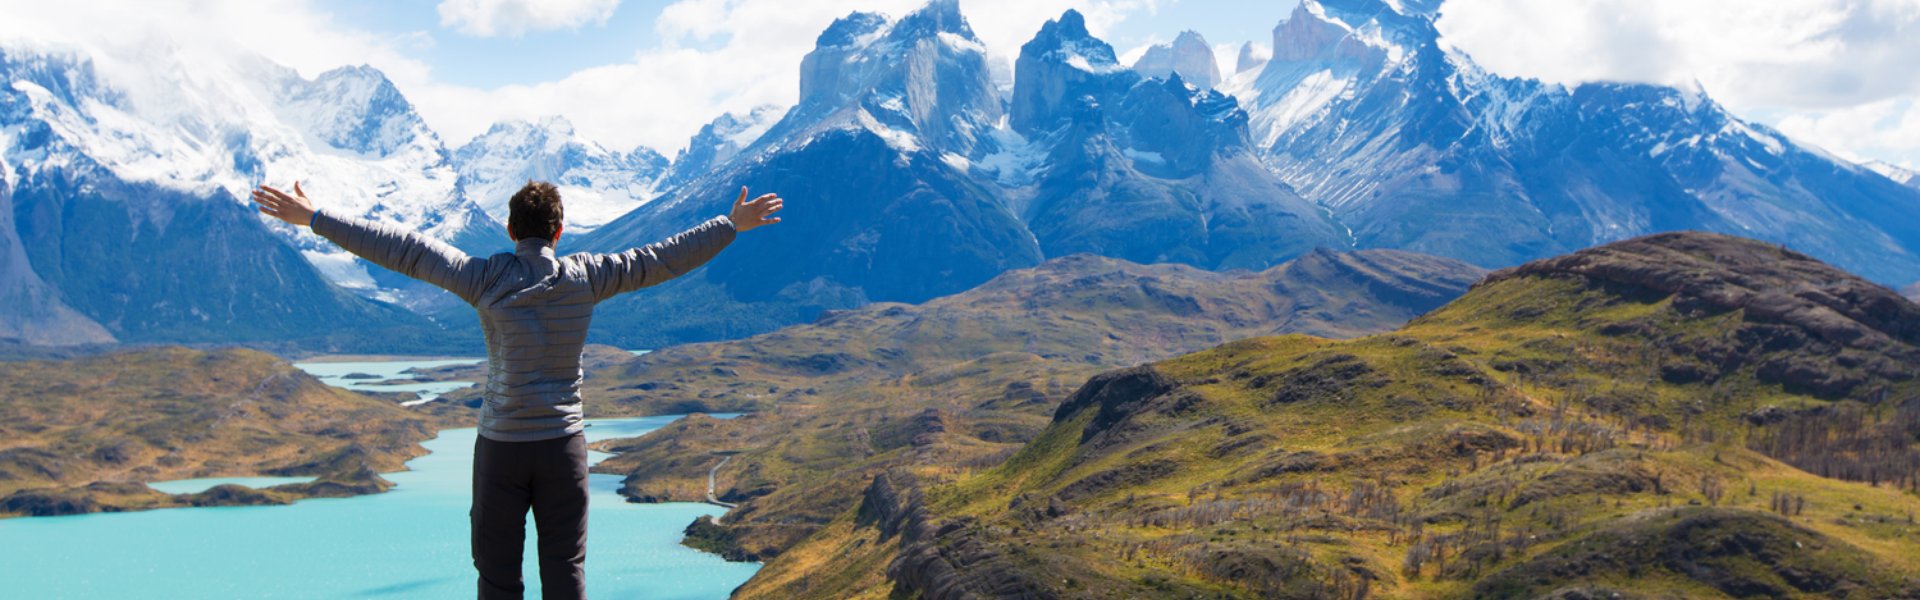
point(535, 211)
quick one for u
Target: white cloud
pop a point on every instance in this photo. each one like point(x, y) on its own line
point(1838, 73)
point(289, 32)
point(718, 56)
point(488, 18)
point(1887, 130)
point(1133, 55)
point(713, 55)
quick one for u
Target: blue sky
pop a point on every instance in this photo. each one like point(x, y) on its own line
point(489, 62)
point(542, 56)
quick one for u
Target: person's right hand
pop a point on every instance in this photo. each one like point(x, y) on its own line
point(748, 214)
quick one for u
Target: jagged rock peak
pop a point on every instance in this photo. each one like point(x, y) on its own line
point(1067, 37)
point(938, 16)
point(1189, 56)
point(847, 31)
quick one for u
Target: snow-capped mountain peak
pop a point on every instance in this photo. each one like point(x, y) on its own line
point(1058, 71)
point(1414, 146)
point(597, 184)
point(230, 125)
point(216, 127)
point(919, 82)
point(719, 141)
point(356, 109)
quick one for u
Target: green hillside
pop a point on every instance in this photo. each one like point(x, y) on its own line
point(960, 381)
point(1682, 415)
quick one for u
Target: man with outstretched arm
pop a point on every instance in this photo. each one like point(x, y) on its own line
point(534, 308)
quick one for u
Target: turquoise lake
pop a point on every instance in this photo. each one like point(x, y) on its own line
point(410, 542)
point(340, 374)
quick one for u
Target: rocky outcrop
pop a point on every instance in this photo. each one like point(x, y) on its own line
point(1059, 72)
point(1115, 394)
point(707, 536)
point(939, 560)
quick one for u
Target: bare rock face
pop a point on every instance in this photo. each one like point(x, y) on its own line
point(1912, 292)
point(1188, 55)
point(938, 560)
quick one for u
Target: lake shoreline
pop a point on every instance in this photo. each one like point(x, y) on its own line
point(430, 495)
point(290, 493)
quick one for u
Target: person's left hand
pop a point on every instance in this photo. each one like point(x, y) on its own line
point(294, 209)
point(748, 214)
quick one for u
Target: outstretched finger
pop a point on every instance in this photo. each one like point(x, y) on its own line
point(297, 191)
point(743, 197)
point(277, 194)
point(765, 198)
point(772, 208)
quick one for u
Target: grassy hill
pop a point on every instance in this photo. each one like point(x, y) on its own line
point(960, 381)
point(1682, 415)
point(84, 434)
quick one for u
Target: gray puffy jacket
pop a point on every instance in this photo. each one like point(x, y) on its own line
point(534, 308)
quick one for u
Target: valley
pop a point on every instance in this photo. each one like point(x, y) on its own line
point(1610, 422)
point(1357, 317)
point(960, 381)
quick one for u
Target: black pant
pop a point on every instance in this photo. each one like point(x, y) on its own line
point(551, 477)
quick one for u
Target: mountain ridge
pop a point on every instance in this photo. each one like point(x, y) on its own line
point(1498, 170)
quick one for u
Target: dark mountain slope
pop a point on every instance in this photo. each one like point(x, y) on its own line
point(36, 315)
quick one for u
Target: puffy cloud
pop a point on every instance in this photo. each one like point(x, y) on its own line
point(289, 32)
point(488, 18)
point(717, 56)
point(712, 55)
point(1887, 130)
point(1839, 73)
